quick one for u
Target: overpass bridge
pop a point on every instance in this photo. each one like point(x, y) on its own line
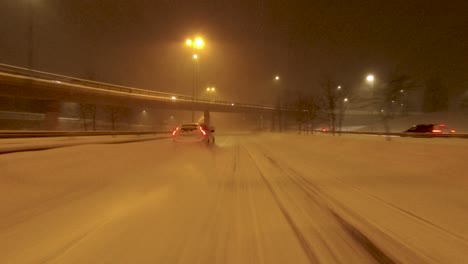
point(54, 88)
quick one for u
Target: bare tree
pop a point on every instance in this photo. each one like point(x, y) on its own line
point(88, 111)
point(306, 110)
point(390, 97)
point(343, 98)
point(118, 113)
point(330, 99)
point(436, 97)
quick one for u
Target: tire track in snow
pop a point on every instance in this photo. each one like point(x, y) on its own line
point(324, 200)
point(370, 247)
point(306, 247)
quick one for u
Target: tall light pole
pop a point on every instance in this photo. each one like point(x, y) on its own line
point(194, 83)
point(370, 80)
point(31, 14)
point(196, 43)
point(278, 101)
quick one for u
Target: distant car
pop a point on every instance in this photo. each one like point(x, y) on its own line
point(430, 128)
point(194, 132)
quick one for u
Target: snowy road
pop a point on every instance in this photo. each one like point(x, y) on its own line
point(251, 199)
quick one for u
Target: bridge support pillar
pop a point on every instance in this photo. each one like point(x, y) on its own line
point(51, 119)
point(261, 122)
point(206, 117)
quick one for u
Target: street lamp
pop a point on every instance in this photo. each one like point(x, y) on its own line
point(196, 43)
point(278, 94)
point(370, 79)
point(211, 92)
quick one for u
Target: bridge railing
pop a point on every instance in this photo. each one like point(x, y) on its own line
point(62, 79)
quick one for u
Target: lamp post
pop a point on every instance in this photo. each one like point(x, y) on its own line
point(370, 80)
point(211, 92)
point(278, 102)
point(31, 15)
point(196, 43)
point(375, 111)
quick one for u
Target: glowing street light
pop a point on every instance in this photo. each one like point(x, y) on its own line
point(277, 78)
point(196, 43)
point(199, 43)
point(195, 56)
point(173, 98)
point(339, 87)
point(345, 100)
point(370, 78)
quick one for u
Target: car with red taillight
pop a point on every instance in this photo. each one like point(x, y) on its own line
point(194, 132)
point(431, 129)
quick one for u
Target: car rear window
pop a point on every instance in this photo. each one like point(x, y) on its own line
point(424, 128)
point(188, 127)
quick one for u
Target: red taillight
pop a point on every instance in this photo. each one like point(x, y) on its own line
point(203, 131)
point(436, 131)
point(175, 131)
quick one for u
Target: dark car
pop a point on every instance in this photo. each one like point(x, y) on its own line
point(430, 128)
point(194, 132)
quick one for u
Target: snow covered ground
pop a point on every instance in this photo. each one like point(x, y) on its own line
point(253, 198)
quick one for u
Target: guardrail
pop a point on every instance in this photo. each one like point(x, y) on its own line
point(43, 134)
point(62, 79)
point(400, 134)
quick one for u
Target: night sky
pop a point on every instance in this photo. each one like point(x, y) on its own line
point(141, 43)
